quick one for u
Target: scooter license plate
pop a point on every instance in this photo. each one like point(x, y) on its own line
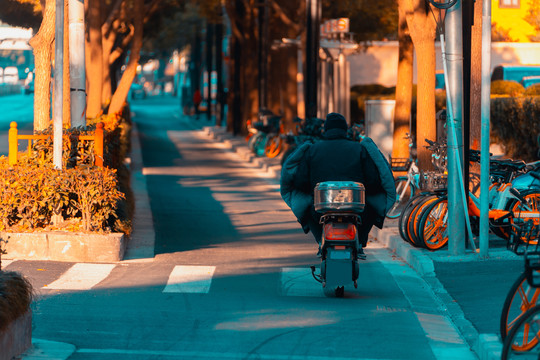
point(340, 254)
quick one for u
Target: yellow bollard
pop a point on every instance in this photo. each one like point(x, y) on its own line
point(13, 143)
point(98, 144)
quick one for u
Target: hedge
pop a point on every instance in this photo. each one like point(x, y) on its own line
point(35, 197)
point(515, 114)
point(515, 123)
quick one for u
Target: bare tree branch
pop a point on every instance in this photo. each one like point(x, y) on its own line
point(283, 17)
point(107, 25)
point(119, 50)
point(151, 9)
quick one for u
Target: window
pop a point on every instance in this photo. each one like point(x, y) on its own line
point(509, 4)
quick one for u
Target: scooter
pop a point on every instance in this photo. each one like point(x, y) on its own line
point(340, 204)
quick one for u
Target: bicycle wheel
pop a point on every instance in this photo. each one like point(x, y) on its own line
point(521, 297)
point(433, 226)
point(253, 139)
point(405, 214)
point(260, 144)
point(521, 212)
point(414, 219)
point(522, 340)
point(404, 192)
point(273, 147)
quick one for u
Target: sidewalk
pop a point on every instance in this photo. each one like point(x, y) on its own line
point(471, 289)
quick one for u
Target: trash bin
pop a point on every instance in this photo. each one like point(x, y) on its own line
point(379, 123)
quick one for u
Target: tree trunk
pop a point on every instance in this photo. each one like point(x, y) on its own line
point(245, 95)
point(422, 27)
point(425, 102)
point(282, 89)
point(107, 45)
point(94, 64)
point(476, 87)
point(120, 95)
point(402, 112)
point(42, 45)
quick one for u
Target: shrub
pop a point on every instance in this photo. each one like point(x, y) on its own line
point(533, 90)
point(30, 195)
point(89, 198)
point(15, 297)
point(514, 124)
point(507, 87)
point(361, 93)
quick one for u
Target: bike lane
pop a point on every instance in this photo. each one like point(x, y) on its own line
point(211, 209)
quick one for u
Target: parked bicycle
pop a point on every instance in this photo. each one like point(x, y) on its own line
point(520, 316)
point(424, 220)
point(267, 126)
point(406, 185)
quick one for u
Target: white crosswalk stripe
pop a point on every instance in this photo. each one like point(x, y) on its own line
point(5, 263)
point(190, 279)
point(182, 279)
point(81, 276)
point(299, 282)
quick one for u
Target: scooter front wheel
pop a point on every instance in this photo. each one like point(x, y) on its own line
point(338, 291)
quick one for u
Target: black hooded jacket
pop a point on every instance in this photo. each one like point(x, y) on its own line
point(338, 159)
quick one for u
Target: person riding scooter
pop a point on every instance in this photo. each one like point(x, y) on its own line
point(336, 158)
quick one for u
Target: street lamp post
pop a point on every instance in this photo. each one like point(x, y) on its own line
point(58, 81)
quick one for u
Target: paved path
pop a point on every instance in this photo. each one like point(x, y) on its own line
point(230, 277)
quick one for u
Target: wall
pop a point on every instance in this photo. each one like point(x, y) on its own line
point(378, 64)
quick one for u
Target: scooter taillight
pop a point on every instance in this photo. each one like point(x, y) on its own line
point(339, 231)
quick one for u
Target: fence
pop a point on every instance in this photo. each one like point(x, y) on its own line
point(14, 138)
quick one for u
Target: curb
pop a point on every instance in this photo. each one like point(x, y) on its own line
point(486, 346)
point(141, 244)
point(44, 349)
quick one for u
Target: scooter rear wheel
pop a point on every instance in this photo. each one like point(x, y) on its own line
point(338, 291)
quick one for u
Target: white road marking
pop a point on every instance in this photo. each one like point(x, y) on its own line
point(5, 263)
point(211, 355)
point(299, 282)
point(81, 276)
point(444, 338)
point(190, 279)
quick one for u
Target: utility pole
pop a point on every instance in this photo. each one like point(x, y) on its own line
point(76, 63)
point(58, 82)
point(220, 101)
point(454, 56)
point(209, 45)
point(263, 54)
point(313, 20)
point(484, 139)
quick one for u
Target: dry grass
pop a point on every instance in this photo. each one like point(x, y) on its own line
point(15, 297)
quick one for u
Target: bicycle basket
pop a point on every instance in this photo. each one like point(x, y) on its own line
point(400, 164)
point(532, 270)
point(524, 238)
point(433, 181)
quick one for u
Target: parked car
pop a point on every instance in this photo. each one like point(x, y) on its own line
point(530, 80)
point(11, 75)
point(137, 91)
point(514, 72)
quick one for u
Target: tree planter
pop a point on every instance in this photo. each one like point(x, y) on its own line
point(65, 246)
point(17, 337)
